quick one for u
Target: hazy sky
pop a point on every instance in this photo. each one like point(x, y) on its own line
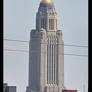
point(19, 19)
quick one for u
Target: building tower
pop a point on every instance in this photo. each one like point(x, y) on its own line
point(46, 49)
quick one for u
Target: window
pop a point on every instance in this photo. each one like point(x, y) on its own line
point(43, 23)
point(51, 24)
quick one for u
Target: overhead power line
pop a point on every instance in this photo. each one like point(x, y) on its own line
point(25, 51)
point(16, 50)
point(44, 43)
point(16, 40)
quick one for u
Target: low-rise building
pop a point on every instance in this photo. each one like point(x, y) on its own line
point(7, 88)
point(69, 91)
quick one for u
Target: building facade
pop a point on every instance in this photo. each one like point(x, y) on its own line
point(7, 88)
point(46, 52)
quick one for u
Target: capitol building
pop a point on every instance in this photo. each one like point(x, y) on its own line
point(46, 52)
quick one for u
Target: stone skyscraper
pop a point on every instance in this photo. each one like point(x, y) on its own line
point(46, 49)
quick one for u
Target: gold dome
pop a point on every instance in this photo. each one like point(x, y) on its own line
point(46, 3)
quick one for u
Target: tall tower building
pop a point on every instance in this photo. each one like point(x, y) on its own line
point(46, 49)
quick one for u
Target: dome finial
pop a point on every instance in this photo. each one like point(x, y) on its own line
point(47, 1)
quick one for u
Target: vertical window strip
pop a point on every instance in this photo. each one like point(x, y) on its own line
point(47, 64)
point(43, 23)
point(48, 68)
point(50, 64)
point(51, 61)
point(51, 24)
point(57, 65)
point(54, 62)
point(56, 23)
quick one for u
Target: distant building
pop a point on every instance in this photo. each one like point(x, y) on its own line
point(69, 91)
point(4, 87)
point(7, 88)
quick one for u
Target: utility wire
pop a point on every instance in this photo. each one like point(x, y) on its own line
point(16, 50)
point(28, 52)
point(16, 40)
point(44, 43)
